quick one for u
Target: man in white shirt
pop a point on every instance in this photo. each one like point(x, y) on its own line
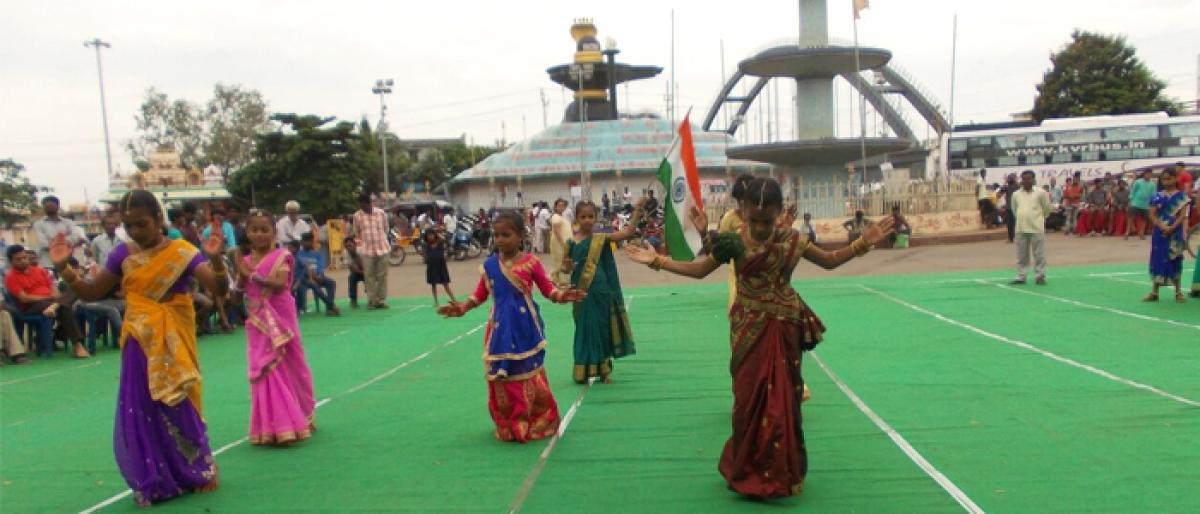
point(1030, 206)
point(449, 222)
point(986, 201)
point(50, 227)
point(541, 226)
point(104, 243)
point(291, 228)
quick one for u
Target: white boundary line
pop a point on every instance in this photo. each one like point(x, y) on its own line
point(534, 473)
point(1135, 315)
point(381, 376)
point(26, 379)
point(912, 453)
point(1044, 353)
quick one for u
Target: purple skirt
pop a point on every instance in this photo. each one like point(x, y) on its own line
point(162, 451)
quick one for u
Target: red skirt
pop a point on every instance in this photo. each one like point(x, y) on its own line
point(1120, 221)
point(1084, 224)
point(765, 457)
point(523, 409)
point(1098, 222)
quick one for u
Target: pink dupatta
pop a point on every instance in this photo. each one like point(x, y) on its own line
point(272, 320)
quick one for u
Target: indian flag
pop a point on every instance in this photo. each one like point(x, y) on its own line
point(681, 181)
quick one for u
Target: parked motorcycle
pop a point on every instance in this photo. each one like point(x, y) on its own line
point(465, 245)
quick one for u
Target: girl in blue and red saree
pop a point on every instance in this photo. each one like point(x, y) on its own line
point(1169, 213)
point(770, 325)
point(514, 344)
point(160, 437)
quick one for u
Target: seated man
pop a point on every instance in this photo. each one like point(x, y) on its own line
point(10, 342)
point(310, 264)
point(35, 293)
point(111, 307)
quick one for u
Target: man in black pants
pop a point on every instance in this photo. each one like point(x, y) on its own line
point(1010, 217)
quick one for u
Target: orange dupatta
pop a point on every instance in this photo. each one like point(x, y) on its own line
point(165, 328)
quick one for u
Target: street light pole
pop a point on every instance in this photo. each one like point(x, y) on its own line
point(383, 87)
point(582, 72)
point(97, 44)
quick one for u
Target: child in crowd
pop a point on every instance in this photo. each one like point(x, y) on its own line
point(436, 272)
point(354, 265)
point(311, 263)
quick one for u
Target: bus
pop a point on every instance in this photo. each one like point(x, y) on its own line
point(1091, 146)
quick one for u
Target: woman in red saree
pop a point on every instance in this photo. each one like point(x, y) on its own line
point(770, 325)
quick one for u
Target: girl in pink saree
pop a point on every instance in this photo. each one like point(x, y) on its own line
point(281, 390)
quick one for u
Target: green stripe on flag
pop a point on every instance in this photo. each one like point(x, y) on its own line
point(677, 245)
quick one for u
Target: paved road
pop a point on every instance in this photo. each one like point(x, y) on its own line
point(409, 279)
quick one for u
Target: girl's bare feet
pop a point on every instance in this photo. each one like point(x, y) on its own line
point(1152, 297)
point(1179, 298)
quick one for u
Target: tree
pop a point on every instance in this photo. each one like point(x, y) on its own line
point(221, 132)
point(18, 197)
point(321, 166)
point(234, 116)
point(1097, 74)
point(161, 122)
point(398, 161)
point(460, 157)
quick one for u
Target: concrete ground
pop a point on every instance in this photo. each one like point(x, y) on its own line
point(409, 279)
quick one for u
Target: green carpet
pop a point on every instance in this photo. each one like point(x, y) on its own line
point(1015, 430)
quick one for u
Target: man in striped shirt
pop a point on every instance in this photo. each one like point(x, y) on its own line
point(370, 227)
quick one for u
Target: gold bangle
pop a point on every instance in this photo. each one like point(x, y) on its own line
point(658, 262)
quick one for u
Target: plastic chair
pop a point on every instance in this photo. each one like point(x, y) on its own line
point(33, 325)
point(96, 324)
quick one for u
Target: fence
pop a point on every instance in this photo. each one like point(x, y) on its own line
point(841, 199)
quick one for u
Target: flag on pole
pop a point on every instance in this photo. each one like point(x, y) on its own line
point(681, 180)
point(859, 6)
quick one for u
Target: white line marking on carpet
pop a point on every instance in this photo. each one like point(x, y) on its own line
point(527, 486)
point(912, 453)
point(52, 373)
point(1143, 317)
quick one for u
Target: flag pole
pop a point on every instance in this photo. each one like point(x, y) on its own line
point(862, 111)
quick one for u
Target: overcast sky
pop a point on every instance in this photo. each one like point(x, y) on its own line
point(473, 67)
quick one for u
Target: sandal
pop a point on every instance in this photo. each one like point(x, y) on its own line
point(1152, 297)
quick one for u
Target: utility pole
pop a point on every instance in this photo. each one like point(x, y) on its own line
point(97, 44)
point(545, 105)
point(383, 87)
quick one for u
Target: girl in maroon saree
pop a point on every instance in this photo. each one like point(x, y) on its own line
point(770, 325)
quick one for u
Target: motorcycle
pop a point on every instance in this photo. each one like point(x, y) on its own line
point(464, 245)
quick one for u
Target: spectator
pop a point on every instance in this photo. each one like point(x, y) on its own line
point(541, 226)
point(1097, 208)
point(1030, 207)
point(605, 205)
point(310, 266)
point(1117, 219)
point(987, 207)
point(1010, 218)
point(449, 223)
point(291, 228)
point(50, 226)
point(901, 225)
point(354, 264)
point(176, 217)
point(1056, 192)
point(370, 225)
point(34, 291)
point(190, 234)
point(10, 342)
point(855, 226)
point(807, 228)
point(1139, 204)
point(111, 307)
point(1072, 197)
point(104, 243)
point(228, 236)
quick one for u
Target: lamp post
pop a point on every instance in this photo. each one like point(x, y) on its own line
point(383, 87)
point(582, 72)
point(97, 44)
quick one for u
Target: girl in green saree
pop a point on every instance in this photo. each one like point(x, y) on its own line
point(601, 325)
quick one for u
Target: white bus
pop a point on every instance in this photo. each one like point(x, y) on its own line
point(1091, 146)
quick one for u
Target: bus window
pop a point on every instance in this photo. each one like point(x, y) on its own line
point(1033, 159)
point(1060, 158)
point(1131, 133)
point(1184, 129)
point(958, 164)
point(1076, 136)
point(1021, 140)
point(1114, 155)
point(979, 163)
point(1088, 156)
point(1177, 151)
point(958, 145)
point(1145, 153)
point(981, 141)
point(1007, 161)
